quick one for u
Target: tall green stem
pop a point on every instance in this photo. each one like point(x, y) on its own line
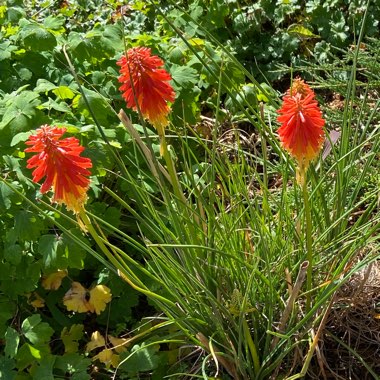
point(170, 167)
point(308, 237)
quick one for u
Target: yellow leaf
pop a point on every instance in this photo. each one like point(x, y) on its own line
point(76, 298)
point(70, 338)
point(100, 295)
point(81, 300)
point(119, 344)
point(36, 300)
point(97, 340)
point(108, 358)
point(54, 280)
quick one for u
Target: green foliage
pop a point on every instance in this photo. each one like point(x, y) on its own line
point(209, 264)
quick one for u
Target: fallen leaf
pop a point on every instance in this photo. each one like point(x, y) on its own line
point(81, 300)
point(108, 358)
point(76, 298)
point(100, 295)
point(36, 300)
point(53, 280)
point(97, 340)
point(119, 344)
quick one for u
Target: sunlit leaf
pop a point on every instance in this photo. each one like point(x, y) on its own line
point(100, 295)
point(97, 340)
point(107, 357)
point(76, 298)
point(81, 300)
point(53, 280)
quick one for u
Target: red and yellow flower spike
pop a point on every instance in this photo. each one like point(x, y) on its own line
point(60, 162)
point(145, 86)
point(301, 132)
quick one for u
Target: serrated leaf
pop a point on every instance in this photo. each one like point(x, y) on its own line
point(71, 337)
point(99, 106)
point(81, 300)
point(6, 195)
point(20, 115)
point(35, 331)
point(35, 300)
point(301, 31)
point(13, 253)
point(108, 358)
point(26, 356)
point(183, 77)
point(6, 49)
point(74, 364)
point(64, 92)
point(27, 225)
point(48, 246)
point(7, 368)
point(20, 137)
point(53, 105)
point(37, 38)
point(44, 370)
point(76, 298)
point(54, 22)
point(12, 339)
point(53, 280)
point(97, 340)
point(44, 85)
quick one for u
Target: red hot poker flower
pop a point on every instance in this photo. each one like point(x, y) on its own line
point(145, 81)
point(301, 132)
point(60, 162)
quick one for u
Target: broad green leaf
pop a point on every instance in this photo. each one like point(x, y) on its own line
point(7, 366)
point(20, 115)
point(24, 74)
point(6, 49)
point(64, 92)
point(22, 104)
point(37, 38)
point(183, 77)
point(73, 253)
point(44, 370)
point(26, 356)
point(74, 364)
point(28, 225)
point(13, 253)
point(54, 22)
point(44, 85)
point(6, 195)
point(20, 279)
point(20, 137)
point(7, 310)
point(99, 106)
point(12, 339)
point(35, 331)
point(52, 104)
point(48, 247)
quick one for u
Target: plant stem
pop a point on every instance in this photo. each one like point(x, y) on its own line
point(170, 167)
point(308, 236)
point(87, 224)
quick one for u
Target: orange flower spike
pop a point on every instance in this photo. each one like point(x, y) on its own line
point(145, 81)
point(301, 132)
point(60, 162)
